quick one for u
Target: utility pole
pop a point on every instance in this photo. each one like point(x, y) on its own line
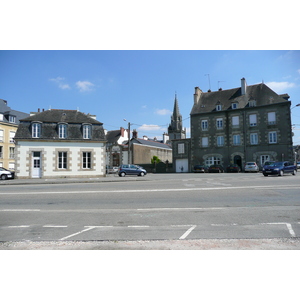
point(129, 152)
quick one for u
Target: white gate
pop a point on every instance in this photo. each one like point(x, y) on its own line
point(36, 165)
point(182, 165)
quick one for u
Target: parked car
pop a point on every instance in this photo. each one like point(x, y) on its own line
point(111, 170)
point(233, 168)
point(216, 169)
point(251, 167)
point(200, 169)
point(279, 168)
point(298, 165)
point(6, 174)
point(131, 170)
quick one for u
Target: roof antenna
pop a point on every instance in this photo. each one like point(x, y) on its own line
point(208, 80)
point(219, 82)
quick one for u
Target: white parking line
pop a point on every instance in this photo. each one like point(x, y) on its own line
point(87, 229)
point(288, 225)
point(20, 226)
point(17, 210)
point(55, 226)
point(187, 232)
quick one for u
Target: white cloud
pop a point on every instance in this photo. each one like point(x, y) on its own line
point(84, 86)
point(280, 87)
point(150, 127)
point(163, 112)
point(59, 81)
point(298, 71)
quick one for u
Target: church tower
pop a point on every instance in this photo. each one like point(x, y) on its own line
point(175, 129)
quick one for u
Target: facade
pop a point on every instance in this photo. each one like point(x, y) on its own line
point(248, 123)
point(116, 150)
point(175, 129)
point(60, 143)
point(9, 121)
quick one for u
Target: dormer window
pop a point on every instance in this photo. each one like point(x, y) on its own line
point(87, 131)
point(12, 119)
point(252, 103)
point(218, 107)
point(36, 130)
point(62, 131)
point(234, 105)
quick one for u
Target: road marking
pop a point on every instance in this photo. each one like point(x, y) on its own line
point(156, 190)
point(288, 225)
point(179, 208)
point(138, 226)
point(87, 229)
point(55, 226)
point(187, 232)
point(20, 226)
point(17, 210)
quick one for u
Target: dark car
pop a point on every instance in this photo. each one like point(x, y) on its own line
point(200, 169)
point(233, 168)
point(279, 168)
point(216, 169)
point(6, 174)
point(131, 170)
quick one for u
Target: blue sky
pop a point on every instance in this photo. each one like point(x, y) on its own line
point(140, 86)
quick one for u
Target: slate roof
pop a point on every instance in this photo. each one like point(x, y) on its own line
point(51, 118)
point(259, 92)
point(7, 111)
point(151, 143)
point(113, 136)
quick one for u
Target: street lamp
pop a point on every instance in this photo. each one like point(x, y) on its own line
point(128, 141)
point(296, 105)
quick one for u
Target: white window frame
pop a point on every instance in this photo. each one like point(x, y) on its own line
point(272, 137)
point(36, 130)
point(218, 107)
point(234, 105)
point(272, 118)
point(62, 131)
point(11, 136)
point(86, 160)
point(62, 162)
point(264, 158)
point(213, 160)
point(1, 135)
point(235, 121)
point(236, 139)
point(87, 131)
point(205, 141)
point(204, 125)
point(253, 138)
point(253, 120)
point(219, 123)
point(220, 141)
point(181, 148)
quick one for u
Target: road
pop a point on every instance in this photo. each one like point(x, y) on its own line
point(157, 207)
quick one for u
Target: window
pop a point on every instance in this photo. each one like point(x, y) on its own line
point(62, 160)
point(234, 105)
point(181, 148)
point(272, 137)
point(220, 141)
point(1, 153)
point(11, 152)
point(218, 107)
point(236, 139)
point(1, 136)
point(12, 119)
point(264, 158)
point(11, 136)
point(253, 120)
point(219, 123)
point(87, 130)
point(1, 117)
point(86, 160)
point(252, 103)
point(271, 118)
point(62, 131)
point(36, 130)
point(204, 124)
point(253, 138)
point(235, 121)
point(205, 141)
point(213, 160)
point(11, 166)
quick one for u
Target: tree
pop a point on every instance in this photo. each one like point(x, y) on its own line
point(155, 160)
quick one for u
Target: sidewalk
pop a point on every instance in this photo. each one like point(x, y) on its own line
point(108, 178)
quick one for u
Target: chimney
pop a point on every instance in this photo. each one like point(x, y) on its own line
point(197, 95)
point(243, 86)
point(145, 137)
point(122, 131)
point(39, 110)
point(165, 138)
point(134, 134)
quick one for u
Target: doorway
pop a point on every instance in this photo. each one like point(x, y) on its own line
point(36, 165)
point(238, 161)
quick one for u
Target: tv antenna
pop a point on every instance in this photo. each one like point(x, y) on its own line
point(219, 82)
point(208, 80)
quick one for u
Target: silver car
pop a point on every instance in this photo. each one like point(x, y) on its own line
point(251, 167)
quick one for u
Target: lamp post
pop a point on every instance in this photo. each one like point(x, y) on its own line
point(296, 105)
point(129, 154)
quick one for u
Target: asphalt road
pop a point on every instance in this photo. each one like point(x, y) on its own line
point(173, 207)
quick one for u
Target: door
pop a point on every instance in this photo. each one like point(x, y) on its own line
point(182, 165)
point(238, 161)
point(36, 165)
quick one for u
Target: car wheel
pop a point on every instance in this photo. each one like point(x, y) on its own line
point(266, 175)
point(142, 174)
point(122, 174)
point(280, 173)
point(3, 177)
